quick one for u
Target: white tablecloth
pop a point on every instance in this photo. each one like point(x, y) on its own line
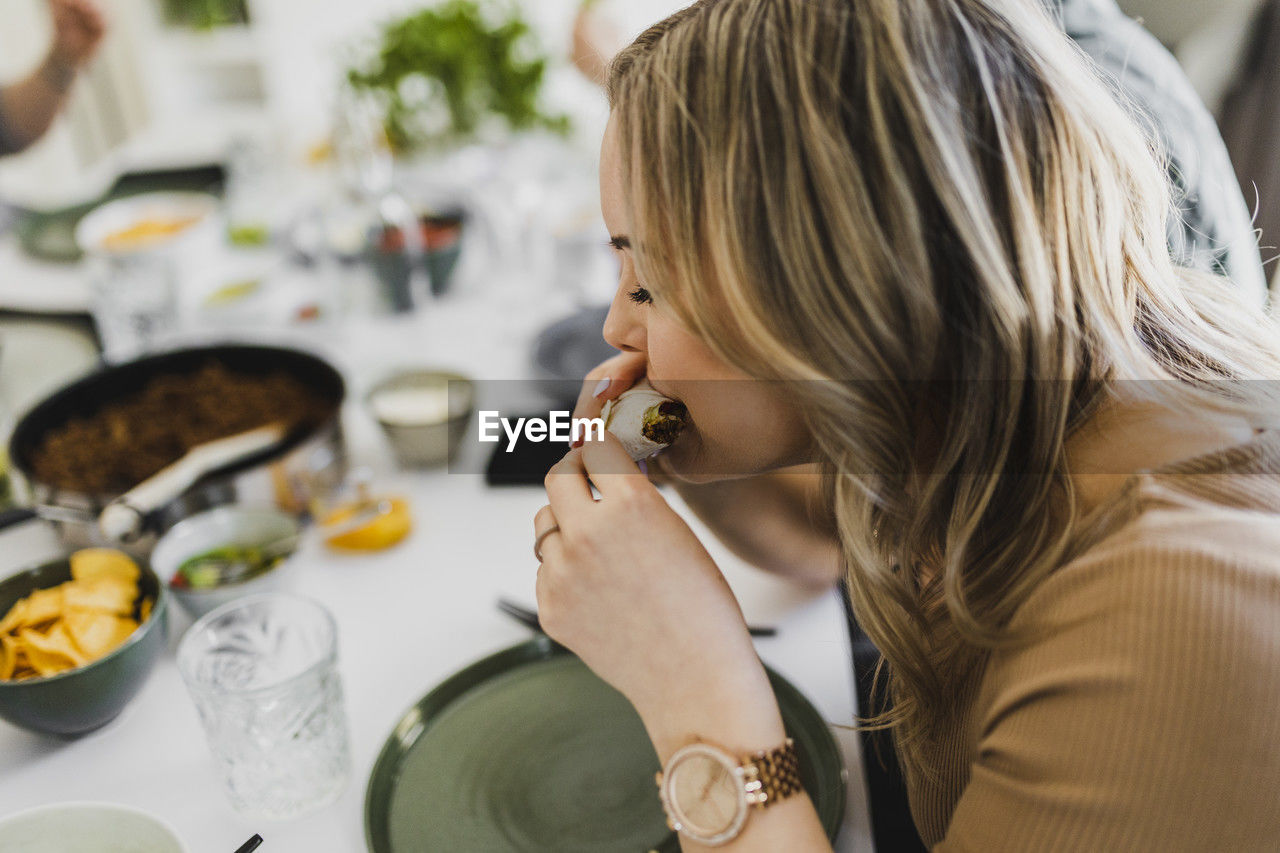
point(408, 618)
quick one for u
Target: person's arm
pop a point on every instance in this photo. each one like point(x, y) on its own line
point(28, 107)
point(777, 522)
point(626, 585)
point(594, 42)
point(1143, 717)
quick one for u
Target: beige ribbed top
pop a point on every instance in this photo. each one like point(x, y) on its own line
point(1145, 714)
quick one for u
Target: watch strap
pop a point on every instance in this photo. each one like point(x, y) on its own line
point(772, 774)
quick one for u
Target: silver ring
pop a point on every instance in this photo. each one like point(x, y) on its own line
point(537, 543)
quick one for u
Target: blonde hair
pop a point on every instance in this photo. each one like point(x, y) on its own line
point(935, 211)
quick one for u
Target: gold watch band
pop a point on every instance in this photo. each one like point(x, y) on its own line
point(772, 774)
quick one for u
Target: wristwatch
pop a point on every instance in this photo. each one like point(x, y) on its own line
point(708, 793)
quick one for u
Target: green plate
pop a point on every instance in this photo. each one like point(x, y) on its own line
point(527, 750)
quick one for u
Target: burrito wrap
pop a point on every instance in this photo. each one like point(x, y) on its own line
point(643, 420)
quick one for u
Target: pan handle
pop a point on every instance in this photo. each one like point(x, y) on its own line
point(124, 518)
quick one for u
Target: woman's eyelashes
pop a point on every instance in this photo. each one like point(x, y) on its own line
point(639, 295)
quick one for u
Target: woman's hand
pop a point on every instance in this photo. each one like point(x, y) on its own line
point(626, 585)
point(608, 380)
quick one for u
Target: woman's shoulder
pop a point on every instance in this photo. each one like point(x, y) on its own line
point(1189, 588)
point(1184, 550)
point(1193, 530)
point(1139, 689)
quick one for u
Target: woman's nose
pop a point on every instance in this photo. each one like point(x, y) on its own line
point(624, 327)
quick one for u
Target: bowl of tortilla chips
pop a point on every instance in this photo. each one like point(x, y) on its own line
point(78, 639)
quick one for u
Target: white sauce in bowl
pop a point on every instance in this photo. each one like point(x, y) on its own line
point(412, 406)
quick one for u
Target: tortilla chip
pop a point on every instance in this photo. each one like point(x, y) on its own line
point(108, 594)
point(24, 671)
point(93, 631)
point(15, 617)
point(93, 563)
point(77, 622)
point(8, 656)
point(124, 630)
point(50, 653)
point(43, 606)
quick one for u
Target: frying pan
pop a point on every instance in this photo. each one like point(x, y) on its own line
point(286, 472)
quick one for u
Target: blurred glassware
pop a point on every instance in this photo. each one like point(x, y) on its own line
point(135, 304)
point(139, 249)
point(251, 197)
point(373, 233)
point(262, 672)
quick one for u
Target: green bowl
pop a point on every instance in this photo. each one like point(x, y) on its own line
point(86, 698)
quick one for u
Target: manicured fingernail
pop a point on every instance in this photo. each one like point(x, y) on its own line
point(601, 387)
point(643, 466)
point(576, 443)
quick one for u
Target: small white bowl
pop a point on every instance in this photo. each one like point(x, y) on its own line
point(216, 528)
point(87, 828)
point(101, 222)
point(423, 431)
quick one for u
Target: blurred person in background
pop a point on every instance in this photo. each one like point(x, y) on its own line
point(1213, 230)
point(29, 106)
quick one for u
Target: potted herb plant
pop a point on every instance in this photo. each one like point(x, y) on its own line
point(458, 72)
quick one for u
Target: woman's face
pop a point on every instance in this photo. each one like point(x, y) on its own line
point(739, 426)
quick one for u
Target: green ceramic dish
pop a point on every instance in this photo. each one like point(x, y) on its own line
point(527, 750)
point(88, 697)
point(51, 235)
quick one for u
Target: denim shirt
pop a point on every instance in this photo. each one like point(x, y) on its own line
point(1210, 228)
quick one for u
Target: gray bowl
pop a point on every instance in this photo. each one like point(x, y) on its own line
point(86, 698)
point(429, 441)
point(225, 525)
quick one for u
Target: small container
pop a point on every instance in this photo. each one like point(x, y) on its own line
point(76, 827)
point(216, 528)
point(139, 250)
point(424, 414)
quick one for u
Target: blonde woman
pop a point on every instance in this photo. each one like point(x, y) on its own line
point(917, 243)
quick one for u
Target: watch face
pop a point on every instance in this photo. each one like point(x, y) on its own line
point(705, 793)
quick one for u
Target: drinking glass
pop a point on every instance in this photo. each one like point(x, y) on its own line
point(262, 672)
point(134, 303)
